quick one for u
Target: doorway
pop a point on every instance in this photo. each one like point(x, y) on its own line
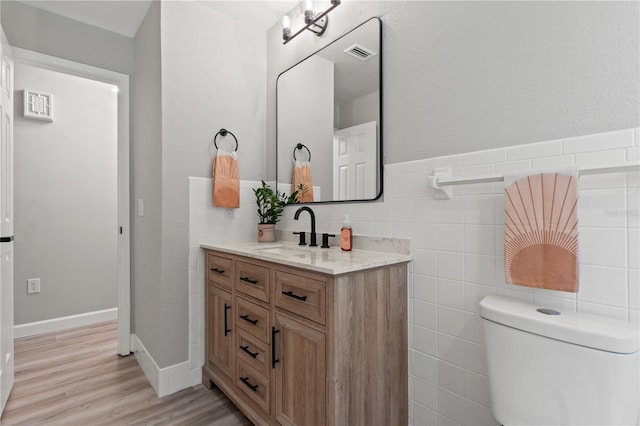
point(86, 192)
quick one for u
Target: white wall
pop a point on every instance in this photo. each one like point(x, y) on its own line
point(306, 116)
point(146, 160)
point(458, 258)
point(65, 198)
point(40, 31)
point(459, 76)
point(359, 111)
point(211, 74)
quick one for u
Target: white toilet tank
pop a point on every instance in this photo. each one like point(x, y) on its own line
point(564, 369)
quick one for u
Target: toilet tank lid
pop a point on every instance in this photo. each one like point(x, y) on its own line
point(579, 328)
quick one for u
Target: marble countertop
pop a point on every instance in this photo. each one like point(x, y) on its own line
point(329, 261)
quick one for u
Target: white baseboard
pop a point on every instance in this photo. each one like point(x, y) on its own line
point(64, 323)
point(165, 380)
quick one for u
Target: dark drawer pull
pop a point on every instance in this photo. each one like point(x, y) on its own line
point(247, 319)
point(251, 354)
point(248, 280)
point(245, 380)
point(219, 271)
point(226, 329)
point(295, 296)
point(274, 360)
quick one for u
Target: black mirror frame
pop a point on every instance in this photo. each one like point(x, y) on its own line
point(381, 127)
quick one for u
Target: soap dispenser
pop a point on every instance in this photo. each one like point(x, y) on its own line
point(346, 234)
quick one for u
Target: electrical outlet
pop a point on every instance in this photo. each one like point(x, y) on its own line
point(33, 285)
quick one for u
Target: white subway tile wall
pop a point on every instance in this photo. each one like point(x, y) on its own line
point(211, 225)
point(458, 256)
point(599, 142)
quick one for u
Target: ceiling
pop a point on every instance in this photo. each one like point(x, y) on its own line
point(124, 16)
point(262, 14)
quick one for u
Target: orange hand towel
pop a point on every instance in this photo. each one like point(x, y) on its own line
point(302, 176)
point(226, 180)
point(541, 231)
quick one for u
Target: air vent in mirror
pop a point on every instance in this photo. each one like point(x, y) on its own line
point(360, 52)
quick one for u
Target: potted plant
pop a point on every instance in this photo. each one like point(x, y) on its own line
point(270, 207)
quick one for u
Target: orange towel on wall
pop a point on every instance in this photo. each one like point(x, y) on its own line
point(302, 176)
point(226, 180)
point(541, 231)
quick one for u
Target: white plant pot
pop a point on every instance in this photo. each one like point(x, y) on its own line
point(266, 232)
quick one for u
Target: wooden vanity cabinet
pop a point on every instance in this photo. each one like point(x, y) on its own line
point(220, 349)
point(308, 348)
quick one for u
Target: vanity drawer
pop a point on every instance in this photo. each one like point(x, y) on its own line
point(254, 385)
point(254, 352)
point(301, 295)
point(219, 270)
point(252, 318)
point(253, 280)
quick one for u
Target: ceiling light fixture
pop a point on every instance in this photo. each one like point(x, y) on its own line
point(314, 22)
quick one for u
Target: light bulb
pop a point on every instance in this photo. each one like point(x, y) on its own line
point(286, 27)
point(307, 10)
point(286, 22)
point(308, 5)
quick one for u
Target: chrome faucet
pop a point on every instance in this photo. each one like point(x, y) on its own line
point(313, 242)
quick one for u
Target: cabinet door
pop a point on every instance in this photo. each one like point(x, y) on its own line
point(300, 373)
point(220, 348)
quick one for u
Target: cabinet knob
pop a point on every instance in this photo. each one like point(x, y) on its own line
point(274, 360)
point(245, 380)
point(251, 354)
point(295, 296)
point(247, 319)
point(227, 330)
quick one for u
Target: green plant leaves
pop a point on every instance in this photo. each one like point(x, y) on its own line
point(271, 204)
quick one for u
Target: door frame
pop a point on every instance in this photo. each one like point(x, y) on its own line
point(120, 80)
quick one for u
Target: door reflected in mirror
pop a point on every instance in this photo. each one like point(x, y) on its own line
point(329, 121)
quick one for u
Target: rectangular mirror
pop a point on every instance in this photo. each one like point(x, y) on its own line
point(329, 120)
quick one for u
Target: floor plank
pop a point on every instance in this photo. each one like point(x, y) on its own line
point(75, 377)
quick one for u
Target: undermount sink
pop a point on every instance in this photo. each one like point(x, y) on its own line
point(274, 250)
point(285, 249)
point(267, 247)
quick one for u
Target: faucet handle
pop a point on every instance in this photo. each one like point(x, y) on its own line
point(303, 241)
point(325, 240)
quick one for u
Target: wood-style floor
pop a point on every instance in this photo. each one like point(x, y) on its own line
point(76, 377)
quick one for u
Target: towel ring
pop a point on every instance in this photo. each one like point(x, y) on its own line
point(223, 132)
point(300, 146)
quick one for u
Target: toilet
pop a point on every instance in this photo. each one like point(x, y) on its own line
point(547, 367)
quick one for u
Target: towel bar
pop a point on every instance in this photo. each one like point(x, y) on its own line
point(436, 181)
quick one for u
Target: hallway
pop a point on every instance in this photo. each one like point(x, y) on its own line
point(76, 377)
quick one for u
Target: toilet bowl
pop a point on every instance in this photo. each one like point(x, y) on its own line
point(559, 368)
